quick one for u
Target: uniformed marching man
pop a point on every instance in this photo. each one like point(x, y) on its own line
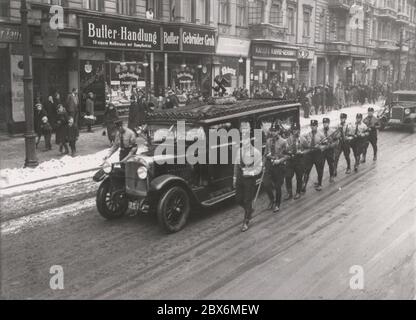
point(372, 123)
point(295, 165)
point(125, 140)
point(276, 151)
point(359, 135)
point(331, 142)
point(311, 143)
point(247, 166)
point(344, 132)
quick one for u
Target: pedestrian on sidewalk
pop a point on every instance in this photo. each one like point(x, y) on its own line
point(39, 113)
point(89, 111)
point(72, 135)
point(110, 118)
point(46, 130)
point(61, 129)
point(51, 111)
point(72, 105)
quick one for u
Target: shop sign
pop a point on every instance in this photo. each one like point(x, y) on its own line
point(17, 89)
point(10, 33)
point(228, 70)
point(303, 54)
point(273, 52)
point(102, 33)
point(198, 40)
point(171, 39)
point(126, 74)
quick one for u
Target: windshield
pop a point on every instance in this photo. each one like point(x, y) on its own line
point(160, 132)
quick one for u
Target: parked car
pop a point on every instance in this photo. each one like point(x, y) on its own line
point(401, 112)
point(173, 188)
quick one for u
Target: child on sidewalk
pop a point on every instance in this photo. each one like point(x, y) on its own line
point(72, 135)
point(46, 131)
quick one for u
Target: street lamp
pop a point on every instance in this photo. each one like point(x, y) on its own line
point(30, 147)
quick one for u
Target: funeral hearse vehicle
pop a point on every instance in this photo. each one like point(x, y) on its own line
point(166, 183)
point(401, 112)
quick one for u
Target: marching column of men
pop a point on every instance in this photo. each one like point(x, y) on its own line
point(297, 155)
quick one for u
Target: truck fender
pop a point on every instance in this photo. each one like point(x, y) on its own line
point(159, 183)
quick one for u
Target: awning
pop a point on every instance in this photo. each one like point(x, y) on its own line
point(233, 47)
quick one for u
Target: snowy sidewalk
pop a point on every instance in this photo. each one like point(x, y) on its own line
point(92, 148)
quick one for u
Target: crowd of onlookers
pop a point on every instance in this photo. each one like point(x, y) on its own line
point(61, 117)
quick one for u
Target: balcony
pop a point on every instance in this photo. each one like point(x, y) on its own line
point(267, 31)
point(386, 13)
point(386, 44)
point(346, 49)
point(403, 18)
point(340, 4)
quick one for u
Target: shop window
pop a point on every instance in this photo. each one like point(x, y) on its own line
point(306, 23)
point(4, 8)
point(276, 13)
point(96, 5)
point(255, 12)
point(189, 10)
point(126, 7)
point(242, 13)
point(224, 11)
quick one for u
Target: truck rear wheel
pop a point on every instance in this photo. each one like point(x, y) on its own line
point(173, 209)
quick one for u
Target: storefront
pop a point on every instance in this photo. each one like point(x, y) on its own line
point(305, 59)
point(12, 110)
point(117, 58)
point(231, 61)
point(272, 65)
point(188, 53)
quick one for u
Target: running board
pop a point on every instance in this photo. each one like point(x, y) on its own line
point(215, 200)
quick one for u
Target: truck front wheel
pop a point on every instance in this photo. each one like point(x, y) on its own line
point(173, 209)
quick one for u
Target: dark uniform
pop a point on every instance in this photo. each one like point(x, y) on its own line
point(359, 137)
point(331, 141)
point(344, 131)
point(248, 166)
point(276, 150)
point(295, 165)
point(313, 156)
point(372, 123)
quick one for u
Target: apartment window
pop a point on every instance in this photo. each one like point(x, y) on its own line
point(255, 12)
point(241, 13)
point(189, 10)
point(322, 27)
point(203, 11)
point(4, 8)
point(126, 7)
point(276, 13)
point(92, 4)
point(291, 20)
point(306, 23)
point(156, 6)
point(53, 2)
point(224, 10)
point(341, 28)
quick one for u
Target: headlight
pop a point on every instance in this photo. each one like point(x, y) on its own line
point(142, 172)
point(407, 112)
point(107, 167)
